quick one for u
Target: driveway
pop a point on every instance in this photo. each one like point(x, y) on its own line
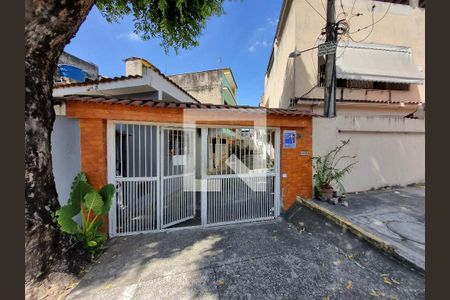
point(397, 216)
point(305, 257)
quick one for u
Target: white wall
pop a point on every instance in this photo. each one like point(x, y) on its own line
point(66, 155)
point(390, 150)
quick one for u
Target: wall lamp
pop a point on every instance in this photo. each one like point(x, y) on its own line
point(296, 52)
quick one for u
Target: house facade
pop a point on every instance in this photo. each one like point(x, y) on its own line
point(187, 164)
point(175, 161)
point(212, 86)
point(380, 64)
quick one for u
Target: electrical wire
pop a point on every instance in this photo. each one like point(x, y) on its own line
point(316, 10)
point(323, 5)
point(373, 22)
point(343, 12)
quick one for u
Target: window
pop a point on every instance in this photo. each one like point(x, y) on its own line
point(372, 85)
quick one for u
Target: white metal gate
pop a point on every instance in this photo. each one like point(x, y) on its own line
point(242, 181)
point(178, 176)
point(136, 169)
point(154, 171)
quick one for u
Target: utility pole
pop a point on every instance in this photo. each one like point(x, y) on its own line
point(329, 106)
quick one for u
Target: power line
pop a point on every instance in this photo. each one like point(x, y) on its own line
point(316, 10)
point(323, 5)
point(373, 23)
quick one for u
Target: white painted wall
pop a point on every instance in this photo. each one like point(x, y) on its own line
point(390, 150)
point(66, 155)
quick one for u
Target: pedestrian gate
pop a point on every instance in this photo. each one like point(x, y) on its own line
point(161, 178)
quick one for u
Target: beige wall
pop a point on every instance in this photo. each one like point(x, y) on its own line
point(390, 150)
point(279, 86)
point(403, 26)
point(206, 87)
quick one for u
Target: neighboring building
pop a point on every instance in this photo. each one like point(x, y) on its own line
point(67, 61)
point(142, 80)
point(380, 85)
point(381, 75)
point(213, 86)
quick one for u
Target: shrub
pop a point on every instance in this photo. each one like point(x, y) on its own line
point(326, 173)
point(92, 205)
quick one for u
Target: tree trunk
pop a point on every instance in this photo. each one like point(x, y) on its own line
point(49, 26)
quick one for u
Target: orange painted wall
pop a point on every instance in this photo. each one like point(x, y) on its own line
point(93, 140)
point(297, 167)
point(93, 154)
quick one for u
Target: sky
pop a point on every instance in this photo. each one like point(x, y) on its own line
point(240, 39)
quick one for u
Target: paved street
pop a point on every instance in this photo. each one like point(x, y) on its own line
point(395, 215)
point(305, 258)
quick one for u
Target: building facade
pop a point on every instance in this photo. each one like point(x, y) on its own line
point(212, 86)
point(380, 63)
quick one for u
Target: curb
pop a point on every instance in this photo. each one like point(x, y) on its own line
point(358, 231)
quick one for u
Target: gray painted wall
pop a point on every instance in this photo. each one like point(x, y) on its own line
point(66, 155)
point(205, 86)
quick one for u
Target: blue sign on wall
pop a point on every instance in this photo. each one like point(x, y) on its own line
point(289, 139)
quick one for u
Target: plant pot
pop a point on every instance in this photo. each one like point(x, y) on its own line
point(319, 195)
point(327, 193)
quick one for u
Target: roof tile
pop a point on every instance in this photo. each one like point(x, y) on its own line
point(169, 104)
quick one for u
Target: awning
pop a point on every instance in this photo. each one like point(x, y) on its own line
point(373, 62)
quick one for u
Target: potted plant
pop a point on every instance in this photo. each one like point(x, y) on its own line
point(327, 175)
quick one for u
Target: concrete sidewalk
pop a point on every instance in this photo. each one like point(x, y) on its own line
point(305, 258)
point(396, 216)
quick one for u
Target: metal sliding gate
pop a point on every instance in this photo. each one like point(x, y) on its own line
point(155, 175)
point(242, 181)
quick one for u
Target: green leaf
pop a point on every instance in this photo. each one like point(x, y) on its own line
point(79, 191)
point(65, 219)
point(93, 201)
point(100, 238)
point(91, 243)
point(96, 226)
point(107, 193)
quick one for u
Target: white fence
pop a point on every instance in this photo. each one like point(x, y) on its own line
point(390, 150)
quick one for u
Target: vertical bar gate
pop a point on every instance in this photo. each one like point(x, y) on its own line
point(153, 169)
point(241, 175)
point(178, 176)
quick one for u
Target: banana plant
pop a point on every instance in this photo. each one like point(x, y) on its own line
point(92, 205)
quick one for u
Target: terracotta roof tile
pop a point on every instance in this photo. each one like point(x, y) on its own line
point(102, 80)
point(169, 104)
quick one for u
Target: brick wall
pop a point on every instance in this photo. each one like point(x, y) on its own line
point(296, 167)
point(93, 154)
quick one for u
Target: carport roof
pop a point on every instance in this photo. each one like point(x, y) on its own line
point(142, 102)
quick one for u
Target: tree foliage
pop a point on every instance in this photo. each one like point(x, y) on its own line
point(178, 23)
point(49, 27)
